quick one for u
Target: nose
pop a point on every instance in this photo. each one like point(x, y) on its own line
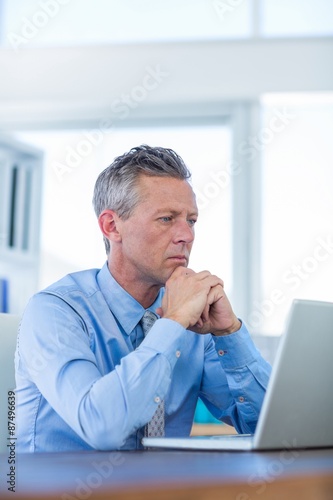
point(184, 232)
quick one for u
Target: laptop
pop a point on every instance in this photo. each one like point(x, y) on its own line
point(297, 410)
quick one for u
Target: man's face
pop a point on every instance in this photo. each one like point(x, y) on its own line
point(159, 234)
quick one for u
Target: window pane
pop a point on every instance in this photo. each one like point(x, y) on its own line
point(297, 259)
point(115, 21)
point(71, 239)
point(297, 17)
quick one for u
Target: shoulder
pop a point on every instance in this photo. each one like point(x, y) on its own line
point(83, 282)
point(73, 292)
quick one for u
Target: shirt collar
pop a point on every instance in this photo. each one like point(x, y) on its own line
point(123, 306)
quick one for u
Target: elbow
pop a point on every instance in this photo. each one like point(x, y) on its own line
point(102, 438)
point(98, 441)
point(101, 432)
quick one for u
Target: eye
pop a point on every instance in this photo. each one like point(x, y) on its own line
point(191, 222)
point(165, 219)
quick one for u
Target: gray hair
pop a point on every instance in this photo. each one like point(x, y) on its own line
point(116, 187)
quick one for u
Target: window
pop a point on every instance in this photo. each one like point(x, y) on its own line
point(20, 208)
point(72, 22)
point(63, 23)
point(20, 174)
point(297, 18)
point(297, 208)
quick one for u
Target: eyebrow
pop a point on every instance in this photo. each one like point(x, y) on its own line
point(175, 212)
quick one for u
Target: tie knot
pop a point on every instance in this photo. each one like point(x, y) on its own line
point(147, 321)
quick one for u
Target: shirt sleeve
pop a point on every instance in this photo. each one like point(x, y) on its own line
point(56, 352)
point(235, 380)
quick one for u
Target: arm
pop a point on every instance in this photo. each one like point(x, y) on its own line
point(235, 375)
point(103, 409)
point(234, 380)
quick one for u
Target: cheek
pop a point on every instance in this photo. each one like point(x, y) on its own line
point(130, 240)
point(143, 243)
point(139, 242)
point(154, 248)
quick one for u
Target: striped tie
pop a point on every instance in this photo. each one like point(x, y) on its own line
point(154, 428)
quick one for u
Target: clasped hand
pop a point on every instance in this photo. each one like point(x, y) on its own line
point(198, 302)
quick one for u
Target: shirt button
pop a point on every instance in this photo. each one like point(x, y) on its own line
point(221, 352)
point(241, 399)
point(157, 399)
point(177, 354)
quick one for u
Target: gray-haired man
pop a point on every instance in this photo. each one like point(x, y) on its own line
point(89, 373)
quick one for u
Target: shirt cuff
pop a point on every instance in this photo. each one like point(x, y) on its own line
point(236, 349)
point(166, 337)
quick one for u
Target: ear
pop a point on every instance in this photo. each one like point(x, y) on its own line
point(108, 221)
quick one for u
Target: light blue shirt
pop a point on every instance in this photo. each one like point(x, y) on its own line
point(82, 382)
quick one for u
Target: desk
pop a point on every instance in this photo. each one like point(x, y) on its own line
point(162, 475)
point(212, 429)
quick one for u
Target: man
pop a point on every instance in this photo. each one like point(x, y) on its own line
point(90, 375)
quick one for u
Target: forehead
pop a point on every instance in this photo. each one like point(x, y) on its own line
point(166, 192)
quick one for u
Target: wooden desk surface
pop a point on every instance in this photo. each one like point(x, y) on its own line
point(161, 475)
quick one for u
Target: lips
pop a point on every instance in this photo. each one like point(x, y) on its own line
point(180, 258)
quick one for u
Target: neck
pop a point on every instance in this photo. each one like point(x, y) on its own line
point(141, 291)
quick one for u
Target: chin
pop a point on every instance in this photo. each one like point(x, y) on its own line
point(172, 269)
